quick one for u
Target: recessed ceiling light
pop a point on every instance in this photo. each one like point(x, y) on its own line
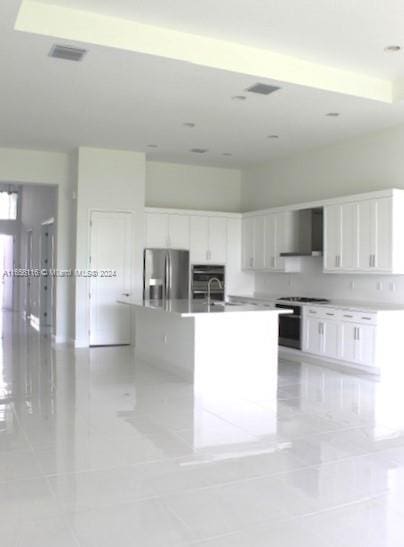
point(392, 49)
point(151, 145)
point(227, 154)
point(188, 124)
point(262, 89)
point(273, 137)
point(332, 114)
point(239, 98)
point(199, 150)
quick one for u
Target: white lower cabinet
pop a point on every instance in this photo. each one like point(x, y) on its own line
point(341, 335)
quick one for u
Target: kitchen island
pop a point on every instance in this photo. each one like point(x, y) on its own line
point(223, 348)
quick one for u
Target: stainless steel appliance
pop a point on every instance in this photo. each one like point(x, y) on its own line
point(201, 275)
point(165, 274)
point(290, 325)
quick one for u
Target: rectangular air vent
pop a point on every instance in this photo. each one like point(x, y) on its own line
point(67, 53)
point(199, 150)
point(262, 89)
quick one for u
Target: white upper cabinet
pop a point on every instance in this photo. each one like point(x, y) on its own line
point(199, 226)
point(364, 236)
point(248, 225)
point(167, 231)
point(265, 237)
point(208, 239)
point(178, 231)
point(217, 240)
point(157, 230)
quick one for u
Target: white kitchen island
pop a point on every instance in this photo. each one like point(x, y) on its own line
point(230, 349)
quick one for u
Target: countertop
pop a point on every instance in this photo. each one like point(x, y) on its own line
point(352, 305)
point(192, 308)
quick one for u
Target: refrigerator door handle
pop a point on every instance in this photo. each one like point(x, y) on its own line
point(166, 275)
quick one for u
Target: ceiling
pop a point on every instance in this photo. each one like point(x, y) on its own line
point(350, 34)
point(117, 98)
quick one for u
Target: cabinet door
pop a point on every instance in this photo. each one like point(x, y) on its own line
point(217, 240)
point(348, 348)
point(157, 230)
point(248, 243)
point(199, 227)
point(330, 332)
point(332, 240)
point(313, 339)
point(383, 234)
point(365, 344)
point(349, 236)
point(366, 234)
point(259, 242)
point(178, 231)
point(270, 260)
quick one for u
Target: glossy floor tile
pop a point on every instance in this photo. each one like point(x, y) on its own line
point(98, 449)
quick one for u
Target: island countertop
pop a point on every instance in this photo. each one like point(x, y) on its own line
point(193, 308)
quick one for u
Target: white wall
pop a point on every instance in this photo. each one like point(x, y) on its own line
point(53, 168)
point(107, 180)
point(38, 203)
point(373, 162)
point(192, 187)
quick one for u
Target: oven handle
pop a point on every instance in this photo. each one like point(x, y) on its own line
point(291, 316)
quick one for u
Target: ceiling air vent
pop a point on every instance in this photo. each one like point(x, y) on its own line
point(262, 89)
point(67, 53)
point(199, 150)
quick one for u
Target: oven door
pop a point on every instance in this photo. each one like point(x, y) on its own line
point(290, 327)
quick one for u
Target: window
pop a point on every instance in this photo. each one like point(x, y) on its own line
point(8, 205)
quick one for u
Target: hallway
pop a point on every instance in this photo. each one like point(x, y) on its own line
point(96, 451)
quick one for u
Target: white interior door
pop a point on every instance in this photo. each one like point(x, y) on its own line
point(111, 253)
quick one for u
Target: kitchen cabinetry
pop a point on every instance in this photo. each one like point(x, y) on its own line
point(321, 333)
point(167, 231)
point(208, 239)
point(265, 236)
point(339, 334)
point(363, 236)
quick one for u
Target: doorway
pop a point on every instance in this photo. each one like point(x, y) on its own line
point(29, 267)
point(6, 267)
point(111, 259)
point(47, 282)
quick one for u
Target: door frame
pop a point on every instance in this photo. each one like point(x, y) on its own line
point(29, 266)
point(45, 305)
point(132, 214)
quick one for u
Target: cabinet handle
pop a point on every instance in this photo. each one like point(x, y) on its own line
point(312, 311)
point(358, 336)
point(337, 261)
point(332, 314)
point(367, 318)
point(372, 261)
point(350, 316)
point(251, 262)
point(273, 262)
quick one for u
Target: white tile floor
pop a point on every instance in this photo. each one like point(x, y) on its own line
point(99, 450)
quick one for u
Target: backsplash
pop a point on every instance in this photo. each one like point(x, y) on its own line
point(311, 281)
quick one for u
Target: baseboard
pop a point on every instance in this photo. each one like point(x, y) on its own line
point(342, 366)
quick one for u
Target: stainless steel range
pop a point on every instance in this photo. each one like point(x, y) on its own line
point(290, 325)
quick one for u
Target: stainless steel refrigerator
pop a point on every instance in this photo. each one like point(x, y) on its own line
point(165, 274)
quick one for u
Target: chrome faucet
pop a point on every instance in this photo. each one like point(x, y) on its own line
point(209, 284)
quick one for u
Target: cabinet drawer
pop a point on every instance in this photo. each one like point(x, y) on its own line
point(321, 312)
point(358, 317)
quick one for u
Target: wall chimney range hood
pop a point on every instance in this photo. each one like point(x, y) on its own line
point(310, 229)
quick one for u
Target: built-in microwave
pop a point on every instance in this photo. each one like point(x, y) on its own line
point(200, 276)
